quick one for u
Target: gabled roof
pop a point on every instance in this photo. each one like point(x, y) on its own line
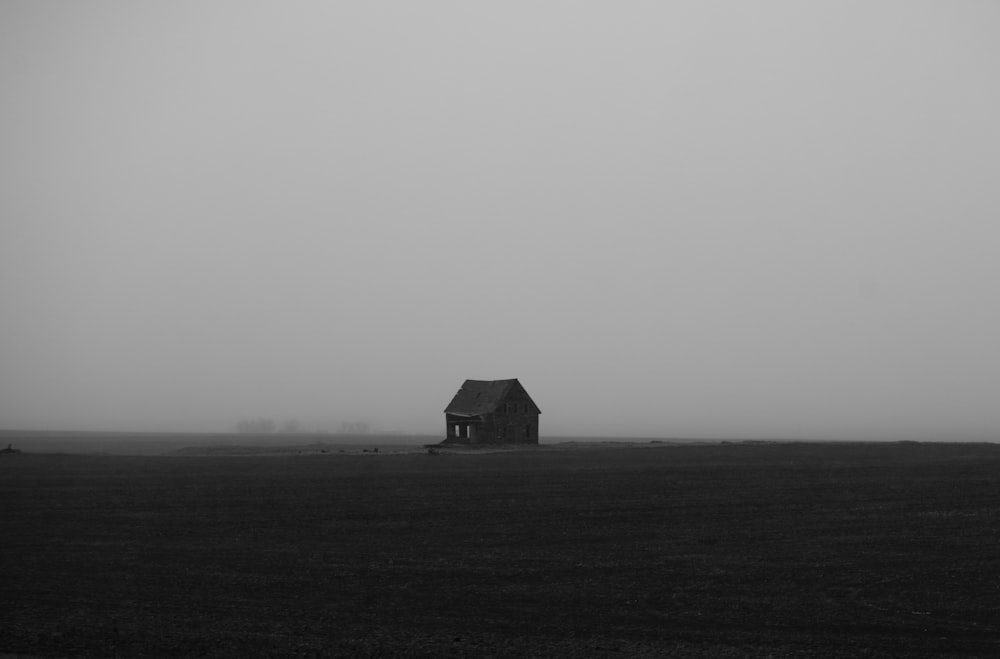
point(480, 396)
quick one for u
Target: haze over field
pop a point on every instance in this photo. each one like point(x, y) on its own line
point(694, 219)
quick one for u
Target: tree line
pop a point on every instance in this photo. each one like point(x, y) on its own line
point(264, 426)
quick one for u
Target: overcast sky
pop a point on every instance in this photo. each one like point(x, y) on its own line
point(667, 219)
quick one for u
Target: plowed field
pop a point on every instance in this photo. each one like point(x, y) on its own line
point(821, 550)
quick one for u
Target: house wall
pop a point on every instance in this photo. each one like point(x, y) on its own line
point(520, 427)
point(517, 427)
point(489, 430)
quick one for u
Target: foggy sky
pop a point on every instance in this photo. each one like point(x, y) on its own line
point(687, 219)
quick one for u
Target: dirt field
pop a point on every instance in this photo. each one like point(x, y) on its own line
point(780, 550)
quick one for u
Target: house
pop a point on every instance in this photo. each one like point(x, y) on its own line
point(491, 412)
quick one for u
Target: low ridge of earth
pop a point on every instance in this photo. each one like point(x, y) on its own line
point(722, 550)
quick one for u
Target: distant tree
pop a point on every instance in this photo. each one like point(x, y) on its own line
point(354, 428)
point(290, 426)
point(257, 426)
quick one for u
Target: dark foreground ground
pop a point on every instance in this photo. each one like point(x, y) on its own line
point(779, 550)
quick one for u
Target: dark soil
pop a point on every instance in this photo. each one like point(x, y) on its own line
point(740, 550)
